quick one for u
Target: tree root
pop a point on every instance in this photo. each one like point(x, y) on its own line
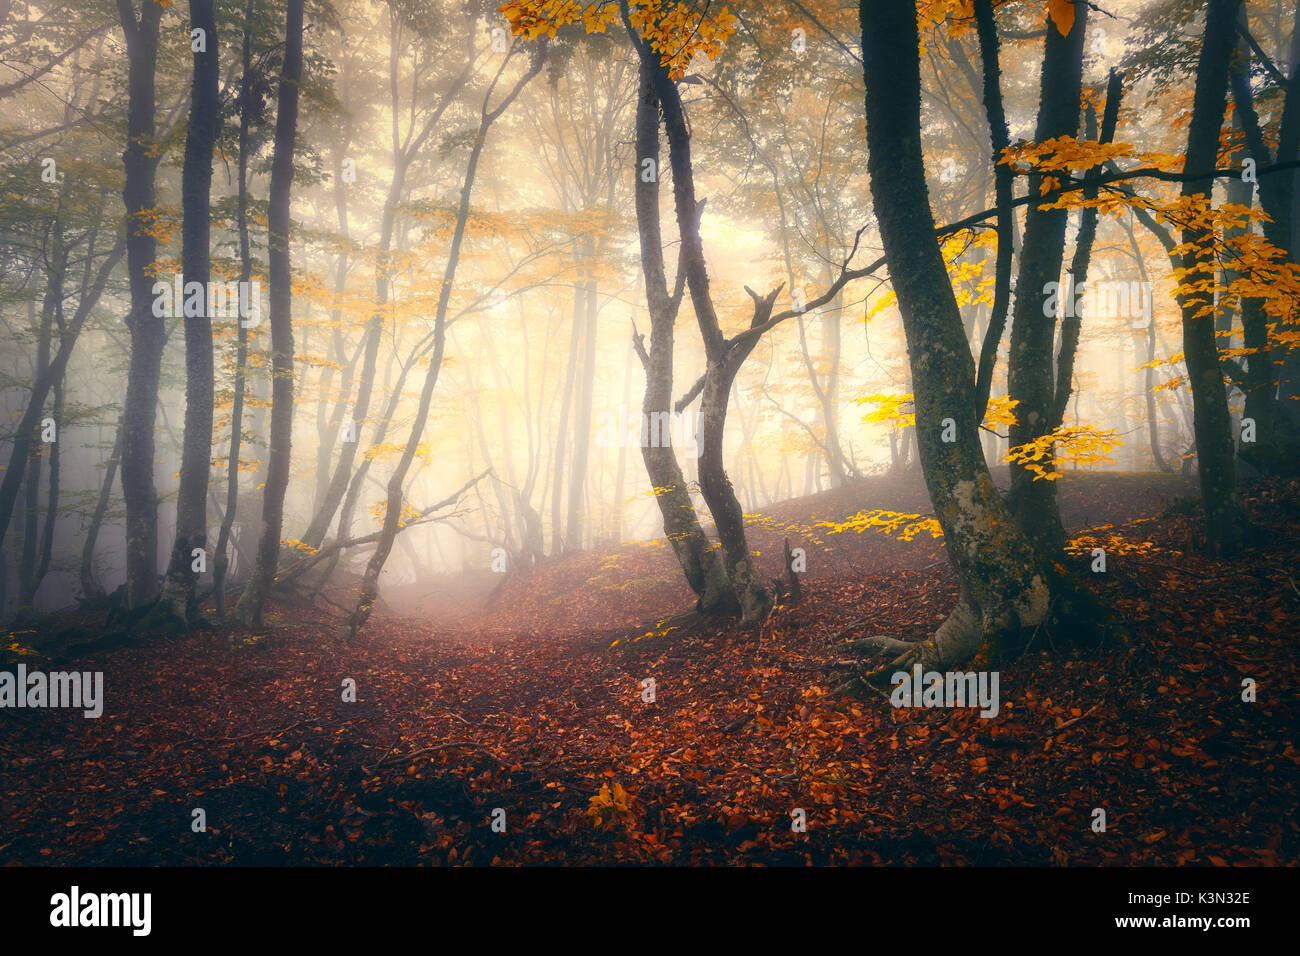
point(986, 637)
point(875, 644)
point(958, 639)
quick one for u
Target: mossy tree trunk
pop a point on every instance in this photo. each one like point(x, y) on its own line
point(1007, 586)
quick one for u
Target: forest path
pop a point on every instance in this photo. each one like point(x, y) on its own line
point(614, 588)
point(452, 724)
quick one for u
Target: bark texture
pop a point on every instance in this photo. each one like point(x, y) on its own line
point(1007, 586)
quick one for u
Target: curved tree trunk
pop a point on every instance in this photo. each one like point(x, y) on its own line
point(699, 561)
point(728, 516)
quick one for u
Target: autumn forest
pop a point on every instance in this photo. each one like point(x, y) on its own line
point(649, 432)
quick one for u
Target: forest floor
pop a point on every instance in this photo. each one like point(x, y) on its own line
point(535, 707)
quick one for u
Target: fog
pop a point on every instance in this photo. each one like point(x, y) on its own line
point(536, 417)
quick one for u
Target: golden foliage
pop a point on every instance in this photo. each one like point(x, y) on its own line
point(1079, 444)
point(608, 804)
point(674, 30)
point(904, 527)
point(1113, 543)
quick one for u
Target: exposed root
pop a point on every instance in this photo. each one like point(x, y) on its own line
point(875, 644)
point(956, 641)
point(986, 636)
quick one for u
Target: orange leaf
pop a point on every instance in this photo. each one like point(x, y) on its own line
point(1062, 14)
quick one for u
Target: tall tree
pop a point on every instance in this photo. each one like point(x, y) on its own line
point(724, 357)
point(281, 301)
point(1030, 378)
point(248, 98)
point(1213, 424)
point(695, 553)
point(1007, 587)
point(179, 588)
point(1277, 428)
point(369, 589)
point(1000, 139)
point(148, 332)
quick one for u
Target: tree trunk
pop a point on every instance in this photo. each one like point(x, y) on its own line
point(1030, 380)
point(147, 330)
point(699, 561)
point(221, 560)
point(196, 267)
point(1006, 585)
point(584, 394)
point(279, 275)
point(89, 587)
point(832, 347)
point(52, 500)
point(755, 599)
point(1148, 370)
point(562, 431)
point(328, 432)
point(1277, 435)
point(31, 529)
point(620, 475)
point(1214, 447)
point(1003, 188)
point(1073, 323)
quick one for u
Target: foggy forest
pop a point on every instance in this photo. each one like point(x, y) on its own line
point(651, 432)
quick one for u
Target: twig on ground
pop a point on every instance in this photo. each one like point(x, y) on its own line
point(1071, 722)
point(447, 746)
